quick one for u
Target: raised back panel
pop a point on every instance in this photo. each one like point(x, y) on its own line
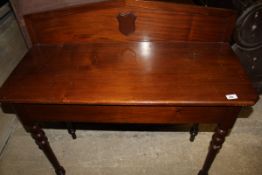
point(155, 21)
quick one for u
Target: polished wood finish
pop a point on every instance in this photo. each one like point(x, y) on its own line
point(216, 144)
point(127, 23)
point(41, 140)
point(156, 21)
point(171, 65)
point(141, 73)
point(125, 113)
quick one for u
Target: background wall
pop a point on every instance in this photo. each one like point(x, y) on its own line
point(12, 48)
point(23, 7)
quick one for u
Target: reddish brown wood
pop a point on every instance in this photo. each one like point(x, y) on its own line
point(174, 68)
point(156, 21)
point(127, 23)
point(216, 144)
point(217, 141)
point(125, 114)
point(181, 74)
point(43, 144)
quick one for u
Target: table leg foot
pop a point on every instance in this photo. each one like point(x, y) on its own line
point(71, 129)
point(194, 132)
point(41, 140)
point(202, 173)
point(215, 145)
point(60, 171)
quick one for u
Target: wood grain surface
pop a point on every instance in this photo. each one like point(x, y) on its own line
point(170, 65)
point(156, 21)
point(126, 114)
point(23, 7)
point(141, 73)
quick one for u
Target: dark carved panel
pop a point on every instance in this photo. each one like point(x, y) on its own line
point(126, 23)
point(249, 26)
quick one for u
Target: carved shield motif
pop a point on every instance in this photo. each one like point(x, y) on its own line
point(126, 23)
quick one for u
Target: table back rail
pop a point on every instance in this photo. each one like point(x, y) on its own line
point(155, 21)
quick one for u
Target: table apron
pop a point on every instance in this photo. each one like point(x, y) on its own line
point(125, 114)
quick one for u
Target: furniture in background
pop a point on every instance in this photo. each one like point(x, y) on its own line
point(247, 35)
point(248, 39)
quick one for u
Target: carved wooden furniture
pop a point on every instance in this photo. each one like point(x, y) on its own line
point(129, 62)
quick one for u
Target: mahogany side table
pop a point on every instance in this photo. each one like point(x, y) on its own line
point(129, 62)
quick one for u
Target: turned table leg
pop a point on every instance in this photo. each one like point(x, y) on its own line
point(215, 145)
point(193, 132)
point(42, 142)
point(71, 129)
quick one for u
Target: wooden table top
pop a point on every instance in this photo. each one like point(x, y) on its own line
point(134, 73)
